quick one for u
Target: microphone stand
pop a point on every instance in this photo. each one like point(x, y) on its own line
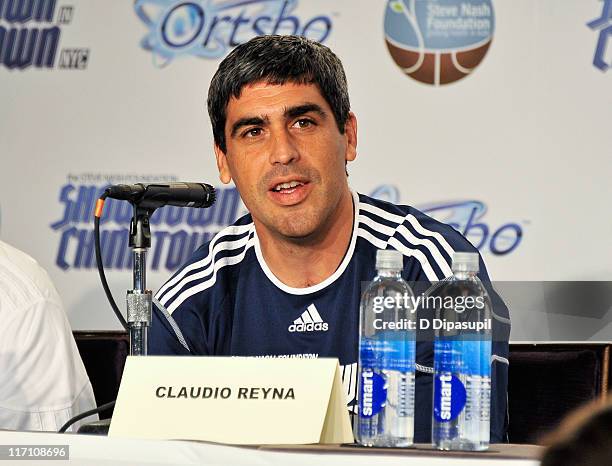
point(139, 299)
point(145, 198)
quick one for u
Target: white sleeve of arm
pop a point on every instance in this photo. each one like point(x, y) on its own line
point(44, 382)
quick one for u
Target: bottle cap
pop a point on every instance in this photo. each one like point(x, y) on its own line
point(465, 262)
point(389, 259)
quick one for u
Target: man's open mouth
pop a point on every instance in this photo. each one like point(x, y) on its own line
point(287, 187)
point(288, 192)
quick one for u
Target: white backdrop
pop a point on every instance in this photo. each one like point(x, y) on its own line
point(520, 145)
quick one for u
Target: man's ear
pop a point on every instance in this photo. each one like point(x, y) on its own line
point(350, 132)
point(225, 175)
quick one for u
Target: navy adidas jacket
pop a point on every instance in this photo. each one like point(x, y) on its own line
point(226, 301)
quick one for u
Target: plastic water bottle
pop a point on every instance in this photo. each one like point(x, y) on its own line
point(462, 359)
point(386, 357)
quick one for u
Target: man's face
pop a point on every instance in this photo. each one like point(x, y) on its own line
point(287, 157)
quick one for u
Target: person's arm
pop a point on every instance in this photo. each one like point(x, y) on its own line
point(44, 379)
point(192, 328)
point(166, 337)
point(500, 320)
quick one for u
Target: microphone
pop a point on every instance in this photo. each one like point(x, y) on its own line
point(154, 195)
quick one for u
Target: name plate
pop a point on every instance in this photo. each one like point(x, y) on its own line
point(234, 400)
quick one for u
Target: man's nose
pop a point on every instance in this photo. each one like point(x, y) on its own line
point(283, 149)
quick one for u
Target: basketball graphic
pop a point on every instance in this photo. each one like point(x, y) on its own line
point(438, 41)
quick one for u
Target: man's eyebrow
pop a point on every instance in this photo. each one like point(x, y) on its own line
point(293, 112)
point(247, 121)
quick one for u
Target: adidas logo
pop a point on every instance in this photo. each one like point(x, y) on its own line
point(309, 321)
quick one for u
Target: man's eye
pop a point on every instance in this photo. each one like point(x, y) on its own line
point(303, 123)
point(252, 133)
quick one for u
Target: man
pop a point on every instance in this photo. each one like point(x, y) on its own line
point(285, 280)
point(43, 380)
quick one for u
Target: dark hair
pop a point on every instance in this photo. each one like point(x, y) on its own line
point(584, 438)
point(277, 60)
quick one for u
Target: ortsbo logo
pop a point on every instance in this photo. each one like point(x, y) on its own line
point(468, 218)
point(209, 28)
point(438, 41)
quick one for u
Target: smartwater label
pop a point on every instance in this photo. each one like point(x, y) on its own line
point(373, 393)
point(477, 357)
point(395, 355)
point(449, 397)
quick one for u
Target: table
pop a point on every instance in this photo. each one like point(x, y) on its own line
point(91, 450)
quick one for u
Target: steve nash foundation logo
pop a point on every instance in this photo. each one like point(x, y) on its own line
point(438, 41)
